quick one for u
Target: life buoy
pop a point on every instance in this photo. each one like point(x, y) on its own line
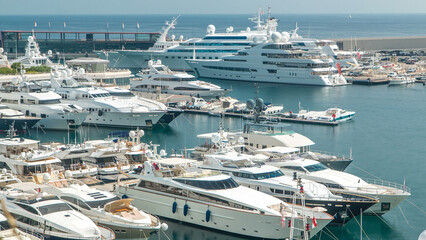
point(185, 209)
point(174, 207)
point(208, 215)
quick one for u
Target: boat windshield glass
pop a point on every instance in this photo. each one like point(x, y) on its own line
point(210, 184)
point(57, 207)
point(50, 101)
point(121, 94)
point(316, 167)
point(274, 174)
point(101, 203)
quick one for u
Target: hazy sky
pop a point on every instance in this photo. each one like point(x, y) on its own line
point(59, 7)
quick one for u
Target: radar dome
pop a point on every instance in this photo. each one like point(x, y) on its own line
point(180, 38)
point(141, 133)
point(3, 171)
point(259, 103)
point(163, 153)
point(211, 29)
point(57, 74)
point(285, 34)
point(30, 39)
point(68, 174)
point(229, 29)
point(81, 71)
point(46, 177)
point(250, 104)
point(173, 37)
point(69, 72)
point(159, 62)
point(49, 52)
point(284, 39)
point(248, 29)
point(132, 134)
point(276, 37)
point(1, 50)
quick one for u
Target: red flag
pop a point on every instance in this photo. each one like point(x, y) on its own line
point(339, 69)
point(314, 222)
point(283, 221)
point(359, 55)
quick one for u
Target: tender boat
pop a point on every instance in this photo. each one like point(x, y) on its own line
point(106, 209)
point(329, 115)
point(16, 118)
point(175, 188)
point(401, 80)
point(158, 78)
point(389, 194)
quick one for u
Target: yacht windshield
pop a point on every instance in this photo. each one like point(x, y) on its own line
point(259, 176)
point(50, 101)
point(210, 185)
point(101, 203)
point(316, 167)
point(58, 207)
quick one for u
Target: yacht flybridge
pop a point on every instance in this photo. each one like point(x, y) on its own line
point(104, 110)
point(274, 61)
point(389, 194)
point(159, 78)
point(175, 188)
point(32, 100)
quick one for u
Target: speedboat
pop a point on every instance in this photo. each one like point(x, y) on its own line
point(389, 194)
point(9, 233)
point(329, 115)
point(158, 78)
point(401, 80)
point(176, 188)
point(46, 214)
point(106, 209)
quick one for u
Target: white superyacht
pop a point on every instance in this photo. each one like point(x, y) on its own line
point(104, 110)
point(175, 188)
point(159, 78)
point(274, 61)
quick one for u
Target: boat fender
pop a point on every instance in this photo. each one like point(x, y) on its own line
point(185, 209)
point(208, 215)
point(174, 207)
point(124, 196)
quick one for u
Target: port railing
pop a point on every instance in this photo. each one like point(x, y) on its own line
point(35, 234)
point(384, 183)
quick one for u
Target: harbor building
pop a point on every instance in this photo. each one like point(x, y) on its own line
point(14, 42)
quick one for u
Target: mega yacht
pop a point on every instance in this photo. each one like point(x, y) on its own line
point(9, 233)
point(47, 214)
point(248, 171)
point(106, 209)
point(34, 101)
point(33, 56)
point(212, 46)
point(16, 118)
point(175, 188)
point(159, 78)
point(389, 194)
point(104, 110)
point(275, 61)
point(276, 140)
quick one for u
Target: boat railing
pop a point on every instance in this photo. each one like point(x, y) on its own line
point(35, 234)
point(384, 183)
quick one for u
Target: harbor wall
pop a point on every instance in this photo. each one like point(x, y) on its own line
point(383, 43)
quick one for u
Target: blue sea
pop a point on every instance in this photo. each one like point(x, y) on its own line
point(387, 135)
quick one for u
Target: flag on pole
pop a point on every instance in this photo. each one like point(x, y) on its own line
point(314, 222)
point(359, 55)
point(49, 25)
point(339, 69)
point(122, 25)
point(35, 24)
point(137, 25)
point(261, 12)
point(404, 185)
point(65, 25)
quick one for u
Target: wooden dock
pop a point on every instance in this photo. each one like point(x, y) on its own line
point(272, 119)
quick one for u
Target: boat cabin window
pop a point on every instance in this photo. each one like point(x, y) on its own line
point(28, 208)
point(57, 207)
point(50, 101)
point(296, 168)
point(211, 185)
point(76, 201)
point(316, 167)
point(101, 203)
point(259, 176)
point(278, 46)
point(332, 185)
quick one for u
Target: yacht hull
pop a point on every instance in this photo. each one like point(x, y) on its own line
point(70, 121)
point(127, 231)
point(19, 124)
point(170, 116)
point(336, 164)
point(123, 120)
point(239, 222)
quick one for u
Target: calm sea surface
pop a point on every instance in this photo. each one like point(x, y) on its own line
point(387, 136)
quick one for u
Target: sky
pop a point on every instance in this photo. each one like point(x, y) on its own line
point(119, 7)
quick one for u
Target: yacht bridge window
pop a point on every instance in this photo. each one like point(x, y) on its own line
point(211, 185)
point(278, 46)
point(259, 176)
point(316, 167)
point(57, 207)
point(50, 101)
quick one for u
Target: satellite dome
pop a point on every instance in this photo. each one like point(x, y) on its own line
point(180, 38)
point(276, 37)
point(211, 29)
point(30, 39)
point(69, 72)
point(68, 174)
point(241, 140)
point(3, 170)
point(229, 29)
point(132, 134)
point(158, 62)
point(46, 177)
point(141, 133)
point(49, 52)
point(81, 71)
point(173, 37)
point(284, 39)
point(260, 103)
point(285, 34)
point(248, 29)
point(57, 74)
point(163, 152)
point(250, 104)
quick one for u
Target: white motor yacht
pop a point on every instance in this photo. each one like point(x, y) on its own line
point(33, 56)
point(16, 118)
point(329, 115)
point(46, 214)
point(275, 61)
point(389, 194)
point(34, 101)
point(104, 110)
point(106, 209)
point(158, 78)
point(9, 233)
point(175, 188)
point(401, 80)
